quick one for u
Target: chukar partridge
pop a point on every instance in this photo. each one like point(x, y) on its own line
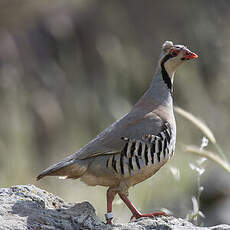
point(135, 147)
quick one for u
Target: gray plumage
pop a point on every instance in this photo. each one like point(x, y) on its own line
point(135, 147)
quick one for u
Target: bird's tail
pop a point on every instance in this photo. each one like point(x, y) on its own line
point(68, 168)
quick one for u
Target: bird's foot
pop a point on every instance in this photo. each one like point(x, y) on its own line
point(150, 215)
point(109, 217)
point(109, 221)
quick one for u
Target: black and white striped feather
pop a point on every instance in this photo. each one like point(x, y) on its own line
point(137, 154)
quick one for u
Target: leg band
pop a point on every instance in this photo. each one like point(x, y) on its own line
point(109, 216)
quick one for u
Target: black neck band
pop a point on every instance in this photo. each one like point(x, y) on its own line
point(164, 73)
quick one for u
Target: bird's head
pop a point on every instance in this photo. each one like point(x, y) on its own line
point(173, 56)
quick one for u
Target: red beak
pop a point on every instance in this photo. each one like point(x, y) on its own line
point(189, 55)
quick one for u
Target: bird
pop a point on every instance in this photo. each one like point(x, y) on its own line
point(137, 145)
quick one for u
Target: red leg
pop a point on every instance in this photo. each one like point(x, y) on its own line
point(110, 197)
point(135, 212)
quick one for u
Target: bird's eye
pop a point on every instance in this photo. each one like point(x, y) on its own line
point(174, 53)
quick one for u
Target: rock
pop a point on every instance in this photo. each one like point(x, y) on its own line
point(28, 207)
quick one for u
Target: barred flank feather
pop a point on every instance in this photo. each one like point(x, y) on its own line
point(137, 154)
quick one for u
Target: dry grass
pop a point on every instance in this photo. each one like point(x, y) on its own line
point(219, 158)
point(209, 155)
point(198, 166)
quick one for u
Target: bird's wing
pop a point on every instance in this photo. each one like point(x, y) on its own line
point(110, 140)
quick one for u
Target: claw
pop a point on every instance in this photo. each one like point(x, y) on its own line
point(150, 215)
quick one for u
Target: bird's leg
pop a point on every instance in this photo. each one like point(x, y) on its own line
point(128, 203)
point(135, 212)
point(110, 195)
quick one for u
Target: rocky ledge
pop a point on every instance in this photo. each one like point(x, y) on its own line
point(28, 207)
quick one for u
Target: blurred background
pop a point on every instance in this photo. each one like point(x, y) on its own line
point(68, 69)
